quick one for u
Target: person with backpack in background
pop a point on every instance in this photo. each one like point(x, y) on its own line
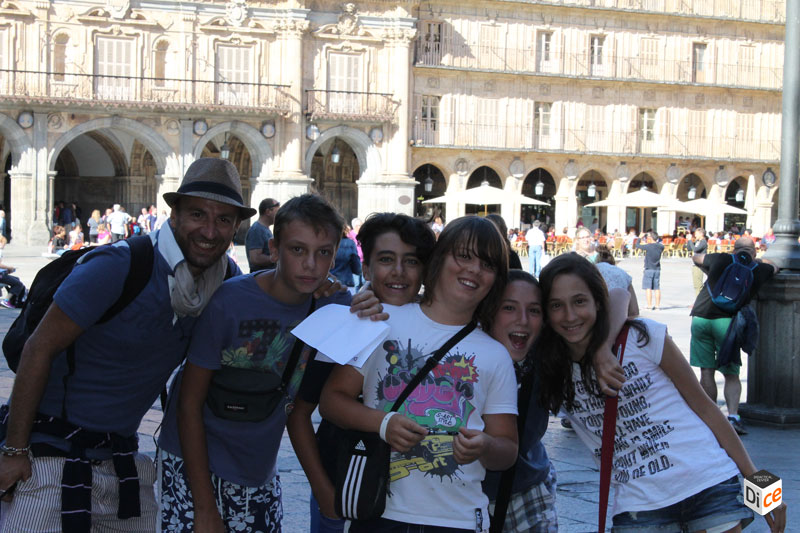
point(733, 279)
point(85, 381)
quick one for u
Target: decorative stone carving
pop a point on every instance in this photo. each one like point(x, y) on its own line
point(236, 12)
point(462, 166)
point(348, 20)
point(55, 121)
point(118, 9)
point(292, 26)
point(433, 82)
point(172, 127)
point(398, 35)
point(544, 89)
point(489, 86)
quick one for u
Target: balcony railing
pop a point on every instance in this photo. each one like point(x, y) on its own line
point(515, 60)
point(520, 137)
point(352, 106)
point(158, 92)
point(752, 10)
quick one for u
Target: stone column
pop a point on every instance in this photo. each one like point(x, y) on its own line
point(666, 219)
point(715, 222)
point(615, 215)
point(398, 41)
point(291, 30)
point(773, 372)
point(41, 188)
point(566, 204)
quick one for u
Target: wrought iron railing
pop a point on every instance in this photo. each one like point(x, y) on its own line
point(350, 105)
point(522, 137)
point(750, 10)
point(161, 92)
point(528, 60)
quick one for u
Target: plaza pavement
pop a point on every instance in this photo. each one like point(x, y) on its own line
point(771, 449)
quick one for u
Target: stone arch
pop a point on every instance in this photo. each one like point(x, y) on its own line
point(369, 160)
point(152, 140)
point(475, 178)
point(256, 144)
point(490, 164)
point(18, 142)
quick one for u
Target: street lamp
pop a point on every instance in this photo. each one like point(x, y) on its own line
point(225, 149)
point(591, 191)
point(336, 154)
point(428, 183)
point(740, 195)
point(539, 188)
point(692, 192)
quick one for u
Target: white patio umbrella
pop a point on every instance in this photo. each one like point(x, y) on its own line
point(705, 207)
point(485, 195)
point(640, 199)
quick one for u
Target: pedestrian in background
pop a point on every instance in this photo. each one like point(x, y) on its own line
point(651, 281)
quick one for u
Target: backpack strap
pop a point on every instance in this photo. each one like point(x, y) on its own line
point(141, 268)
point(609, 432)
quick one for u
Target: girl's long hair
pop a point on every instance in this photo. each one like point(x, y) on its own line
point(554, 360)
point(479, 235)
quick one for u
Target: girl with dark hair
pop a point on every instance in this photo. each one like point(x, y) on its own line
point(668, 430)
point(461, 419)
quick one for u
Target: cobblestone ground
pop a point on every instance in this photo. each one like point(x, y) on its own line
point(771, 449)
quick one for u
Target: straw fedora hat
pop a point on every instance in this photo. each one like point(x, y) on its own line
point(212, 179)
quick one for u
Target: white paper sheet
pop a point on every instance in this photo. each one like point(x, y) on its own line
point(339, 334)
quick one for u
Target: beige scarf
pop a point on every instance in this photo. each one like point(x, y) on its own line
point(189, 295)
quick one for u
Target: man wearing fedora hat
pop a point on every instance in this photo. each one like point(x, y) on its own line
point(69, 454)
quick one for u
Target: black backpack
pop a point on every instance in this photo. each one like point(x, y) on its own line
point(49, 279)
point(732, 289)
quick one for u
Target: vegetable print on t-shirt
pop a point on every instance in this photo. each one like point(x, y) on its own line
point(442, 402)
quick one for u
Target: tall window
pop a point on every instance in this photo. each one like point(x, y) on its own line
point(595, 136)
point(429, 118)
point(160, 63)
point(747, 66)
point(487, 134)
point(541, 124)
point(431, 43)
point(647, 124)
point(490, 53)
point(648, 58)
point(745, 135)
point(544, 41)
point(114, 68)
point(60, 56)
point(344, 82)
point(699, 62)
point(233, 74)
point(697, 142)
point(596, 43)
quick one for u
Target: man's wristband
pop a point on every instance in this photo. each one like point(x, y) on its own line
point(10, 451)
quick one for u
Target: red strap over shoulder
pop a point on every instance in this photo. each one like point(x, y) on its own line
point(609, 431)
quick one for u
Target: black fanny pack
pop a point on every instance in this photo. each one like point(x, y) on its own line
point(251, 395)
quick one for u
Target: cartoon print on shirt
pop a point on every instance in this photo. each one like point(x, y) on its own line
point(441, 403)
point(262, 345)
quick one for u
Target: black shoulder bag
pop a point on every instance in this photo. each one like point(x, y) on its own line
point(248, 395)
point(362, 458)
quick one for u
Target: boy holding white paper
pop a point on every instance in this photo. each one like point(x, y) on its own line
point(219, 443)
point(396, 249)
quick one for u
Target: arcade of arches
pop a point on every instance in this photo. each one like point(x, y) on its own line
point(569, 186)
point(96, 162)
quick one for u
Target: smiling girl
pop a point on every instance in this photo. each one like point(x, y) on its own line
point(676, 458)
point(461, 419)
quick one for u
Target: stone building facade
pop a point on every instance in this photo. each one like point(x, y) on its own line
point(367, 102)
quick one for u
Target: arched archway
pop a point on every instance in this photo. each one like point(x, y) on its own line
point(152, 141)
point(369, 160)
point(540, 185)
point(592, 187)
point(20, 158)
point(438, 187)
point(258, 149)
point(736, 195)
point(644, 219)
point(480, 175)
point(335, 170)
